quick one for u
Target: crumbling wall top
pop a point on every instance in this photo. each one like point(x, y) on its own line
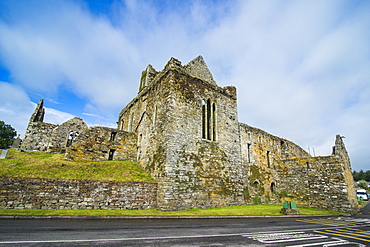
point(198, 68)
point(38, 114)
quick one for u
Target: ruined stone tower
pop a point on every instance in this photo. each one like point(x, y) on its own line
point(183, 129)
point(188, 135)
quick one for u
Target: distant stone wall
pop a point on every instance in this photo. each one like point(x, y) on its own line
point(102, 143)
point(31, 193)
point(64, 135)
point(37, 136)
point(317, 182)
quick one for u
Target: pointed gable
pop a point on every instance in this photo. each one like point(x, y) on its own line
point(198, 68)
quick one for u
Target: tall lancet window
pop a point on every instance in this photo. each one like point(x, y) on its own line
point(209, 120)
point(204, 120)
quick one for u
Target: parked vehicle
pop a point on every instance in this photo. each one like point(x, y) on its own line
point(362, 195)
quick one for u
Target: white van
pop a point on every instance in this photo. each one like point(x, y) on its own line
point(361, 193)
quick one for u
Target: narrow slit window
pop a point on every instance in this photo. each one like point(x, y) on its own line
point(209, 123)
point(268, 158)
point(113, 136)
point(131, 122)
point(111, 154)
point(214, 122)
point(249, 152)
point(203, 119)
point(272, 187)
point(208, 119)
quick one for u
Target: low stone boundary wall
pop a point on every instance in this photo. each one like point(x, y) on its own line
point(19, 193)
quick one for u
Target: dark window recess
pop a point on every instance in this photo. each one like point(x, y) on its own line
point(249, 152)
point(111, 154)
point(268, 158)
point(113, 136)
point(208, 120)
point(203, 120)
point(272, 187)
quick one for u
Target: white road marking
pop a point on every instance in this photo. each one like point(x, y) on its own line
point(114, 239)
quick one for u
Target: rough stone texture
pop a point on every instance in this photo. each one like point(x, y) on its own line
point(102, 143)
point(183, 129)
point(287, 172)
point(37, 136)
point(65, 134)
point(48, 137)
point(31, 193)
point(191, 171)
point(199, 69)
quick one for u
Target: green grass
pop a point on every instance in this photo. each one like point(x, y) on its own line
point(247, 210)
point(47, 165)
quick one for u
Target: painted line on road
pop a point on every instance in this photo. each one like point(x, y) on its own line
point(341, 234)
point(336, 242)
point(114, 239)
point(331, 222)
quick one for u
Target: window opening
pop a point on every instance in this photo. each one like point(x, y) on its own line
point(131, 122)
point(249, 152)
point(203, 119)
point(122, 125)
point(111, 154)
point(72, 135)
point(272, 187)
point(214, 122)
point(268, 158)
point(113, 136)
point(208, 119)
point(308, 165)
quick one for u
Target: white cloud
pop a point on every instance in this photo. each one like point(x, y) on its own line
point(15, 107)
point(300, 67)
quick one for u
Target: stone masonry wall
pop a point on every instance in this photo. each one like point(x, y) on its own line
point(318, 182)
point(260, 151)
point(37, 136)
point(64, 135)
point(102, 143)
point(32, 193)
point(167, 117)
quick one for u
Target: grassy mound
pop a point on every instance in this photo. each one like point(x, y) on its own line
point(47, 165)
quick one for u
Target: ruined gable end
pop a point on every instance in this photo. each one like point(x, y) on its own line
point(198, 68)
point(64, 135)
point(147, 76)
point(38, 114)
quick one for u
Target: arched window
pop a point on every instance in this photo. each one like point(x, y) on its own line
point(272, 187)
point(209, 120)
point(72, 135)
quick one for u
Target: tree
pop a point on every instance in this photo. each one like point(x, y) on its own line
point(363, 184)
point(7, 134)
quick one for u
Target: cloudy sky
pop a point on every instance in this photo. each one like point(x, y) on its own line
point(302, 68)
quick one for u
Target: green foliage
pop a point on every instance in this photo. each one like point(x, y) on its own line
point(256, 200)
point(246, 210)
point(361, 175)
point(363, 184)
point(47, 165)
point(7, 134)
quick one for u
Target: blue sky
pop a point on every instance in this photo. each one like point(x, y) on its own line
point(301, 68)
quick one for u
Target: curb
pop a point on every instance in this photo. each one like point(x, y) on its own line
point(25, 217)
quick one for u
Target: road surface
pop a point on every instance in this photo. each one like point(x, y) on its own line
point(263, 231)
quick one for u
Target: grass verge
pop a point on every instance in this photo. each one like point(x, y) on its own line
point(47, 165)
point(246, 210)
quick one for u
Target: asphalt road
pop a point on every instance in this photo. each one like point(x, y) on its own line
point(265, 231)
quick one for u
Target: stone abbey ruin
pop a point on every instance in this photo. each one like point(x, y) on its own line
point(183, 129)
